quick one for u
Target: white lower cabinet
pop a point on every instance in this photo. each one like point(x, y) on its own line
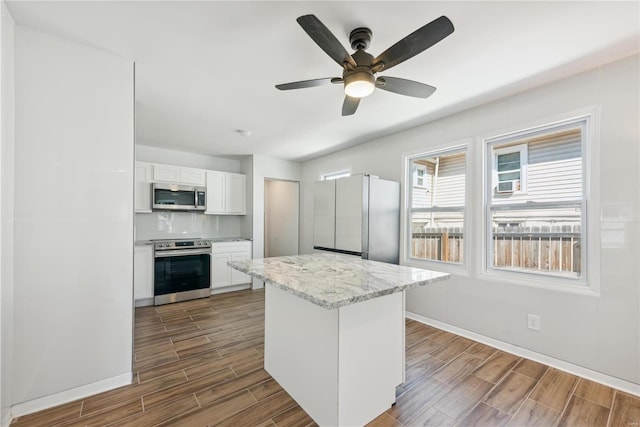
point(223, 277)
point(143, 275)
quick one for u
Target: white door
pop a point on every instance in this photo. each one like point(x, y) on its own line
point(238, 277)
point(281, 212)
point(220, 271)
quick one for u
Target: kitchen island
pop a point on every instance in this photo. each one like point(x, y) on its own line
point(334, 331)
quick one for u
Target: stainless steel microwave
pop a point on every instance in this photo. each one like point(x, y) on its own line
point(177, 197)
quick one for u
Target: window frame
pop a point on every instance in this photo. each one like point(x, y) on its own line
point(523, 149)
point(328, 176)
point(445, 149)
point(416, 176)
point(587, 282)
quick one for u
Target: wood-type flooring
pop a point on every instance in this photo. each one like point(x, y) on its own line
point(200, 363)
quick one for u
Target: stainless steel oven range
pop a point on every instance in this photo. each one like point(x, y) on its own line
point(182, 270)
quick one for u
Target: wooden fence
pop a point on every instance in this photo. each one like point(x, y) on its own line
point(534, 249)
point(438, 244)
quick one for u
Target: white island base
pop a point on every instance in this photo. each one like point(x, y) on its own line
point(341, 365)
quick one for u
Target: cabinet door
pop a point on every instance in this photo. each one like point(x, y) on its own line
point(143, 272)
point(143, 187)
point(324, 213)
point(238, 277)
point(192, 176)
point(235, 197)
point(215, 192)
point(220, 271)
point(166, 173)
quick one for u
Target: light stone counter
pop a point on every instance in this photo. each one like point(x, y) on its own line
point(334, 331)
point(334, 280)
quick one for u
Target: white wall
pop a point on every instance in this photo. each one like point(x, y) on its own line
point(6, 210)
point(601, 333)
point(266, 167)
point(246, 166)
point(74, 158)
point(146, 153)
point(179, 225)
point(281, 217)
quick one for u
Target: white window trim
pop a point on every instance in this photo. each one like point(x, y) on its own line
point(461, 269)
point(589, 283)
point(327, 176)
point(524, 161)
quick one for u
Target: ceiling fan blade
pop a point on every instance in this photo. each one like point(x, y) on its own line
point(306, 83)
point(350, 105)
point(405, 87)
point(416, 42)
point(325, 39)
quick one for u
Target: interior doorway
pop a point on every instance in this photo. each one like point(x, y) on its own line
point(281, 217)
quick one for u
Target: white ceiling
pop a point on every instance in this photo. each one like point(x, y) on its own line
point(206, 69)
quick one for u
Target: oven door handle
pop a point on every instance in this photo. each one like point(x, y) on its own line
point(182, 252)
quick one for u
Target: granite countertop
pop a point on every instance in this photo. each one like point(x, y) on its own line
point(334, 280)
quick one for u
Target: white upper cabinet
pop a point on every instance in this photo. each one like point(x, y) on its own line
point(179, 175)
point(226, 193)
point(166, 173)
point(215, 192)
point(142, 189)
point(236, 194)
point(193, 176)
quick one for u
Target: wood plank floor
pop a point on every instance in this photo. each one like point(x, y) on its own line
point(200, 363)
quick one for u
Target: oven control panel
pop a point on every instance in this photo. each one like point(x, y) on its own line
point(182, 244)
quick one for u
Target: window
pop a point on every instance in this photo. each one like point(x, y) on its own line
point(334, 175)
point(535, 201)
point(419, 175)
point(510, 169)
point(437, 200)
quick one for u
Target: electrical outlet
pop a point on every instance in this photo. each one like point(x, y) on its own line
point(533, 322)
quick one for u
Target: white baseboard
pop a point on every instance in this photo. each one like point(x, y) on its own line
point(6, 421)
point(599, 377)
point(144, 302)
point(45, 402)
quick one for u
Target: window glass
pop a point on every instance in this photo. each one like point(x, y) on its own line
point(437, 206)
point(419, 176)
point(334, 175)
point(539, 230)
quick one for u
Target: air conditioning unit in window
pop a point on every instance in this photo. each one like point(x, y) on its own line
point(508, 186)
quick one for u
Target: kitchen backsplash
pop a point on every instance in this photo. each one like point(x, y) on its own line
point(176, 225)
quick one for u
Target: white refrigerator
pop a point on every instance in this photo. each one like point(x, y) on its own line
point(358, 215)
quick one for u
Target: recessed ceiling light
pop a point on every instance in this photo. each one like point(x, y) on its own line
point(243, 132)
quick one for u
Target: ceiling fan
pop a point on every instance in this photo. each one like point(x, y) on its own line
point(360, 68)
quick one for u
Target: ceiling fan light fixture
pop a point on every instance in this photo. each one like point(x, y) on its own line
point(359, 84)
